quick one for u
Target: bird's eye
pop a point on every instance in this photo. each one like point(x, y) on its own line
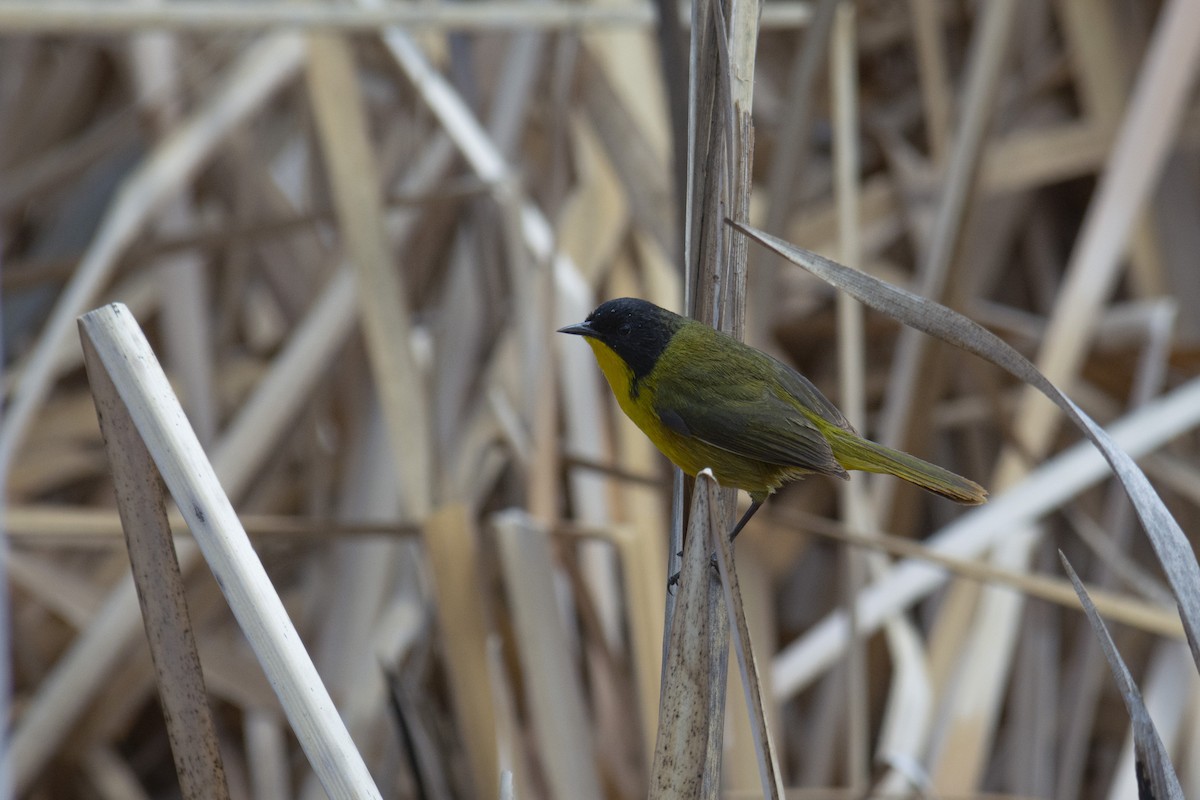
point(625, 329)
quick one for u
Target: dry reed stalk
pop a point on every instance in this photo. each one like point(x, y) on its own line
point(93, 657)
point(364, 576)
point(554, 694)
point(1102, 71)
point(53, 526)
point(266, 755)
point(1047, 155)
point(1154, 616)
point(1034, 700)
point(633, 144)
point(627, 60)
point(764, 747)
point(741, 768)
point(383, 301)
point(155, 569)
point(719, 169)
point(936, 98)
point(855, 501)
point(160, 421)
point(185, 287)
point(515, 761)
point(977, 634)
point(74, 16)
point(186, 329)
point(643, 565)
point(682, 750)
point(789, 161)
point(453, 551)
point(714, 293)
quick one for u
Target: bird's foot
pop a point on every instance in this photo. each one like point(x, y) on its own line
point(673, 581)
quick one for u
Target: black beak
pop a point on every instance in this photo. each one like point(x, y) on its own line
point(579, 329)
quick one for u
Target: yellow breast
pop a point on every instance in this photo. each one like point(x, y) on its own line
point(640, 409)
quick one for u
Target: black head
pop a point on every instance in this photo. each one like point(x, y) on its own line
point(638, 331)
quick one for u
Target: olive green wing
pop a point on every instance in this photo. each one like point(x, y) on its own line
point(723, 408)
point(803, 390)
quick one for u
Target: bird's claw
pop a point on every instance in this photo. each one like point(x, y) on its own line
point(673, 581)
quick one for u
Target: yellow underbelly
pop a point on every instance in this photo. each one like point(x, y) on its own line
point(730, 469)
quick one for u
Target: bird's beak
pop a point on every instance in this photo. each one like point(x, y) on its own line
point(579, 329)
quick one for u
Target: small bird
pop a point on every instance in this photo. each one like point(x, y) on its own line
point(707, 400)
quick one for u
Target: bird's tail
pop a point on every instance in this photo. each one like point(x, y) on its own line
point(854, 452)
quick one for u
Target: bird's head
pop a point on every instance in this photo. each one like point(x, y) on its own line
point(637, 331)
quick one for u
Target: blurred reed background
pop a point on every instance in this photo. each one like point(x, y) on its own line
point(349, 232)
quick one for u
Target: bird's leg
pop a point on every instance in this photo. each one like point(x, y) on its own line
point(754, 506)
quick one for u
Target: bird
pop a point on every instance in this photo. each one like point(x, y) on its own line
point(706, 400)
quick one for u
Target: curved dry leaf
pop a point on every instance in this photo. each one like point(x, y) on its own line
point(1156, 777)
point(1170, 545)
